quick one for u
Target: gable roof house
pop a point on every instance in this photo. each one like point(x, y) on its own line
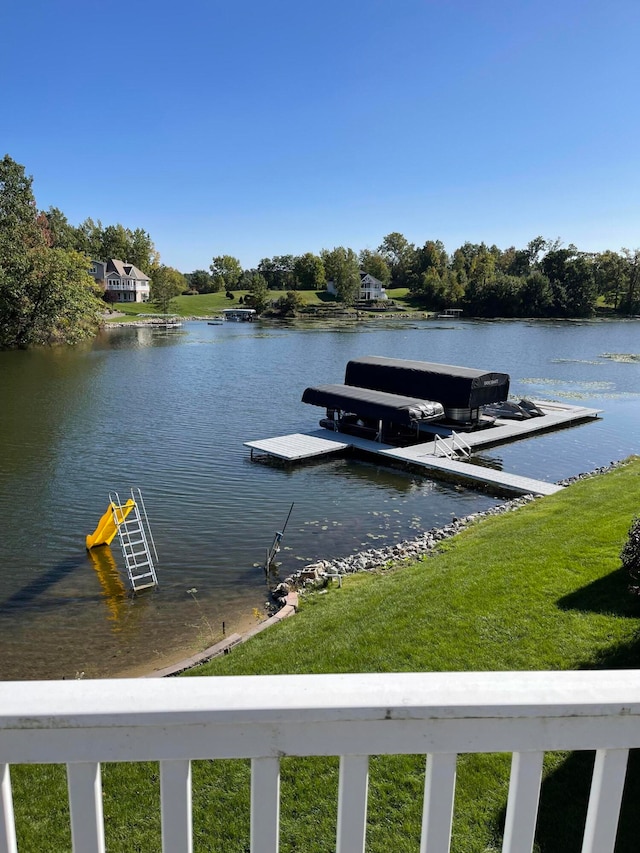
point(125, 281)
point(370, 287)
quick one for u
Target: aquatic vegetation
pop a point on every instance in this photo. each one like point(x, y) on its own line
point(622, 357)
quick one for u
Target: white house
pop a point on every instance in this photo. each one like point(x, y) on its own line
point(127, 282)
point(370, 287)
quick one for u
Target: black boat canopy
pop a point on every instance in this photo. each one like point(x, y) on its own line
point(376, 405)
point(454, 387)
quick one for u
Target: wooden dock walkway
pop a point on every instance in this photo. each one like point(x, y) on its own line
point(322, 442)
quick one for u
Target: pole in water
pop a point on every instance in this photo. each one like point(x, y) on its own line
point(275, 547)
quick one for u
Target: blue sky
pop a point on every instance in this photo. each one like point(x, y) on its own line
point(285, 126)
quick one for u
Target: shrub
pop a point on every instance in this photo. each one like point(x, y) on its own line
point(630, 556)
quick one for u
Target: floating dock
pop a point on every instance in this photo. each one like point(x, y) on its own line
point(322, 442)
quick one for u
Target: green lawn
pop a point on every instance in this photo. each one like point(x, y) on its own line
point(537, 588)
point(212, 304)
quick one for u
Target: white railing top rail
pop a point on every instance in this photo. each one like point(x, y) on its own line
point(174, 721)
point(260, 716)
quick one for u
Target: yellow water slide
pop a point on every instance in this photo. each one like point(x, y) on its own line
point(107, 527)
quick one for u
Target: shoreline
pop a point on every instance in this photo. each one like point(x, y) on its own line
point(319, 574)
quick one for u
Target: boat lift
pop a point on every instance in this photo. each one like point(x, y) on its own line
point(129, 520)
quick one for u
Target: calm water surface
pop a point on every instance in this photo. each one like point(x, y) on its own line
point(168, 412)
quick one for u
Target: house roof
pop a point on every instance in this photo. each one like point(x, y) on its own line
point(370, 279)
point(125, 270)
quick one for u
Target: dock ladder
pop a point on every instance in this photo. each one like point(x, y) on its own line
point(453, 448)
point(135, 535)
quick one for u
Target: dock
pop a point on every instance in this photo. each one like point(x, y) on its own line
point(426, 455)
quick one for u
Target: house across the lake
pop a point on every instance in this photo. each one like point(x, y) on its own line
point(125, 281)
point(370, 287)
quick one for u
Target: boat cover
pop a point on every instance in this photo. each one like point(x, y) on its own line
point(377, 405)
point(454, 387)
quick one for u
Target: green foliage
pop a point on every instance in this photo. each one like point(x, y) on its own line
point(309, 272)
point(376, 265)
point(201, 281)
point(630, 556)
point(258, 296)
point(46, 294)
point(166, 284)
point(278, 272)
point(343, 268)
point(630, 301)
point(226, 272)
point(400, 256)
point(289, 304)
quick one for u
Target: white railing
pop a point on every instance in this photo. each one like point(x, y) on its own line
point(439, 715)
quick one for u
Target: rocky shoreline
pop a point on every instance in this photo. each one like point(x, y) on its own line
point(319, 574)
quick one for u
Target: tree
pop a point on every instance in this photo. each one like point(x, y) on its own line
point(258, 296)
point(278, 272)
point(400, 255)
point(200, 280)
point(114, 243)
point(166, 284)
point(572, 281)
point(46, 294)
point(226, 272)
point(19, 229)
point(289, 304)
point(343, 268)
point(61, 234)
point(630, 302)
point(376, 265)
point(536, 296)
point(89, 238)
point(630, 556)
point(309, 272)
point(141, 252)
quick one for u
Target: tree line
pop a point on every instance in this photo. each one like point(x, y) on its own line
point(47, 295)
point(544, 279)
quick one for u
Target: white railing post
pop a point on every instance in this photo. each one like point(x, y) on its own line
point(439, 792)
point(352, 803)
point(7, 823)
point(265, 805)
point(522, 805)
point(605, 798)
point(85, 801)
point(175, 796)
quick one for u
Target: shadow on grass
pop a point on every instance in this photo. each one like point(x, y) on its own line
point(564, 800)
point(564, 796)
point(608, 595)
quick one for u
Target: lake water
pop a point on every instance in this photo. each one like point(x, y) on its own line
point(167, 411)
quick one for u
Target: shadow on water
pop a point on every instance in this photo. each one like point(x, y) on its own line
point(114, 592)
point(26, 597)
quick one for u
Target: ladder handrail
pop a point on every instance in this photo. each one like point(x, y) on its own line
point(126, 528)
point(452, 447)
point(146, 518)
point(458, 442)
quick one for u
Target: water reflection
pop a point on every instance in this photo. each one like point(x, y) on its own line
point(113, 589)
point(168, 410)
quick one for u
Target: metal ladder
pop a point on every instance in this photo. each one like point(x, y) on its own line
point(135, 534)
point(453, 448)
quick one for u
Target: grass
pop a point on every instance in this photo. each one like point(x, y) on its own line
point(212, 304)
point(540, 588)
